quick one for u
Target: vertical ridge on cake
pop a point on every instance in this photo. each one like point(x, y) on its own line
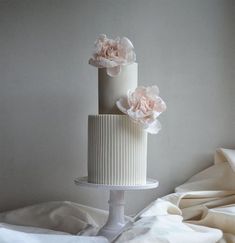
point(117, 147)
point(117, 150)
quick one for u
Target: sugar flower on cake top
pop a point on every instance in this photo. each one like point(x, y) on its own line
point(112, 54)
point(143, 105)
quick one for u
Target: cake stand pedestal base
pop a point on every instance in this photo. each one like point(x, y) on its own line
point(116, 219)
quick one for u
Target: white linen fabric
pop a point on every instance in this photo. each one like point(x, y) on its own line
point(65, 216)
point(200, 211)
point(52, 222)
point(10, 236)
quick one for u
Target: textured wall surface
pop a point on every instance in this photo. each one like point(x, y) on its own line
point(47, 90)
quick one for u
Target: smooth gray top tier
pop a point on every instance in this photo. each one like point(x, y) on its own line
point(113, 88)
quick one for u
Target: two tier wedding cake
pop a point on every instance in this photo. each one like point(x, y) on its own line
point(117, 136)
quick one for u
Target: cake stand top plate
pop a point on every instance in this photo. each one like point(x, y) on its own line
point(150, 184)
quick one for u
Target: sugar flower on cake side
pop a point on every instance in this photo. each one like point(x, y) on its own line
point(112, 54)
point(143, 106)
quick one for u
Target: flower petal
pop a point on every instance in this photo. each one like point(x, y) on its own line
point(140, 91)
point(153, 90)
point(135, 114)
point(159, 106)
point(130, 57)
point(102, 37)
point(102, 62)
point(154, 127)
point(122, 105)
point(113, 71)
point(126, 43)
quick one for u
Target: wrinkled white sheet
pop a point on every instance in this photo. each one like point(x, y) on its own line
point(52, 222)
point(65, 216)
point(200, 211)
point(8, 235)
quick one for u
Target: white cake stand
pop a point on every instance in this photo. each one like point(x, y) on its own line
point(116, 220)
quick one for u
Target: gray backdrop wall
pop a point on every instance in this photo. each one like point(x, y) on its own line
point(47, 90)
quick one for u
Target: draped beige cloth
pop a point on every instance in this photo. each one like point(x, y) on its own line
point(202, 210)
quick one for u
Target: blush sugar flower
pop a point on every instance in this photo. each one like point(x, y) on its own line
point(112, 54)
point(143, 106)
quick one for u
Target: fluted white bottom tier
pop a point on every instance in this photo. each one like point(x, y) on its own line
point(117, 151)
